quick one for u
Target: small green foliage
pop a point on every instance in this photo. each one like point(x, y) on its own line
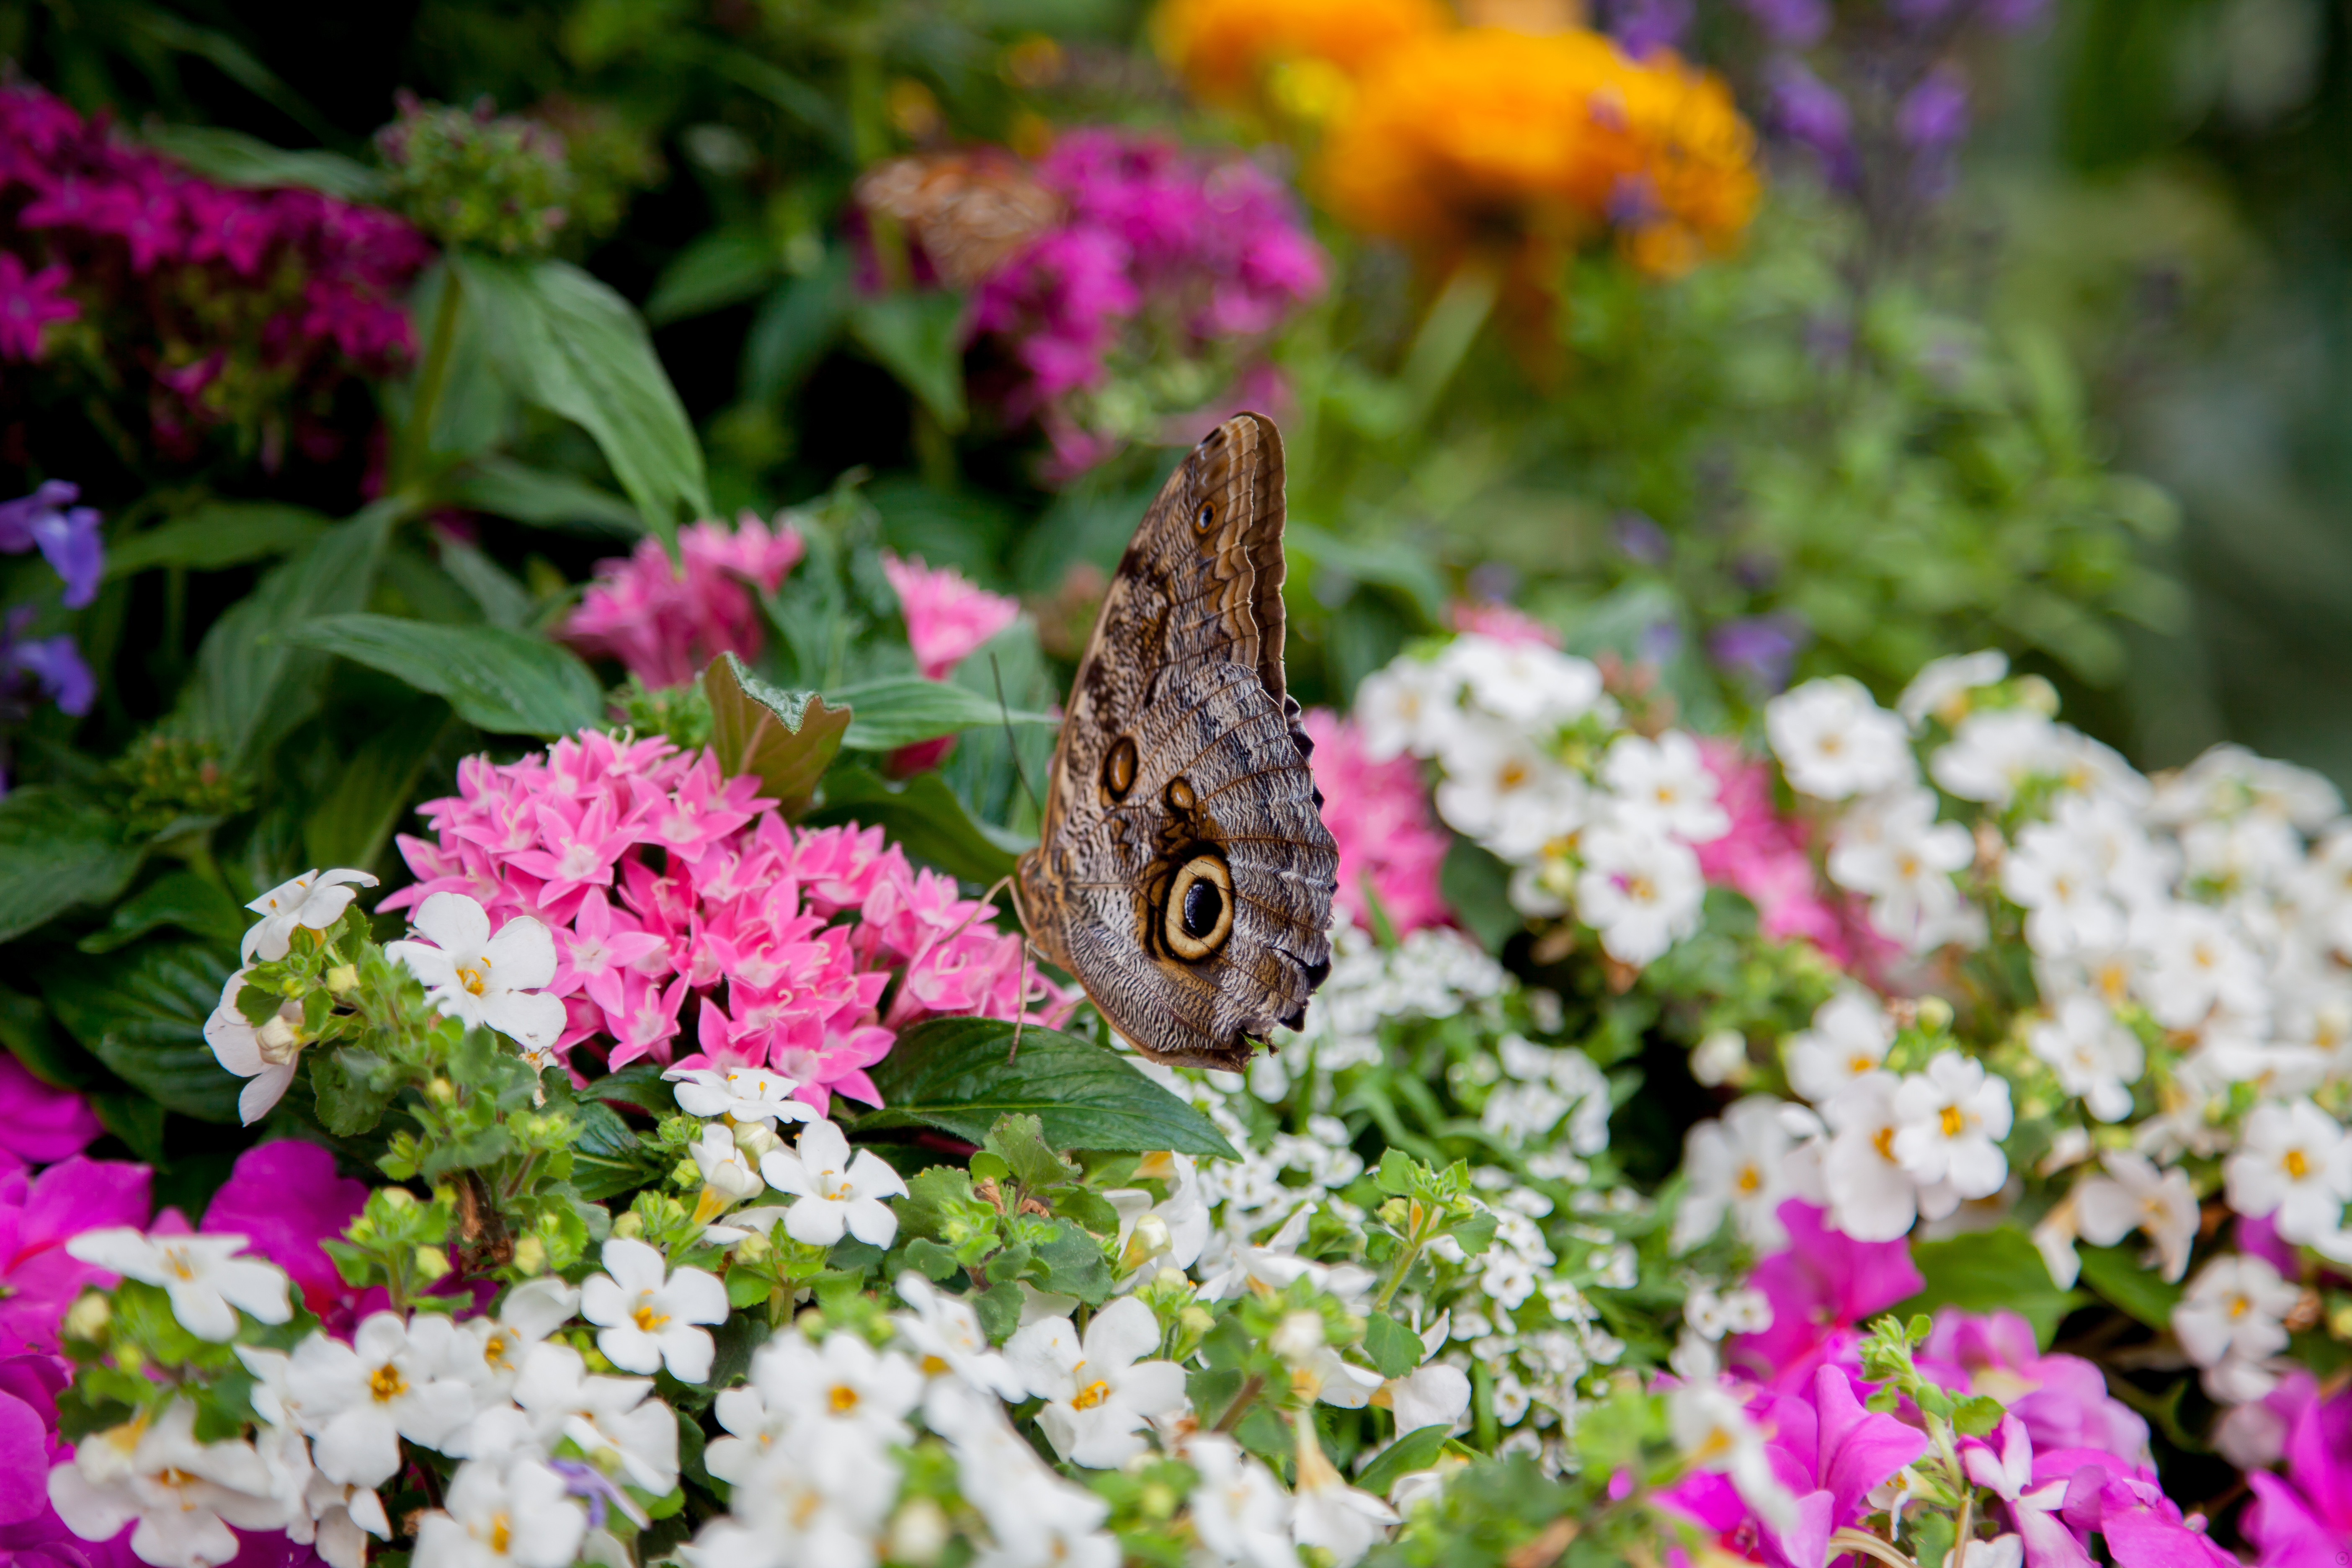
point(477, 180)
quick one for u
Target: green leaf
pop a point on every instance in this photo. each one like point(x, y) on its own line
point(233, 158)
point(133, 1118)
point(217, 534)
point(504, 487)
point(901, 709)
point(252, 686)
point(718, 268)
point(566, 341)
point(917, 338)
point(2116, 1274)
point(1394, 1350)
point(796, 323)
point(1071, 1263)
point(1985, 1271)
point(143, 1014)
point(639, 1084)
point(608, 1159)
point(25, 1031)
point(503, 682)
point(923, 817)
point(504, 602)
point(57, 852)
point(787, 737)
point(1019, 1143)
point(1416, 1450)
point(951, 1073)
point(351, 823)
point(179, 898)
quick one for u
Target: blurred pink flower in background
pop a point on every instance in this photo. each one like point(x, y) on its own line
point(678, 900)
point(1493, 618)
point(1378, 815)
point(947, 616)
point(665, 619)
point(39, 1123)
point(285, 1198)
point(1822, 1288)
point(39, 1278)
point(1764, 860)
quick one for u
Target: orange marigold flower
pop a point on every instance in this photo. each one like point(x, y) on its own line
point(1485, 138)
point(1231, 52)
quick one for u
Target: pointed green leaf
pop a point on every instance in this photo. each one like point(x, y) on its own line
point(179, 898)
point(507, 488)
point(504, 682)
point(952, 1073)
point(718, 268)
point(919, 338)
point(143, 1014)
point(1416, 1450)
point(217, 534)
point(57, 852)
point(923, 817)
point(901, 709)
point(786, 737)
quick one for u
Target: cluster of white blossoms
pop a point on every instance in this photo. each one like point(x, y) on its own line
point(2189, 940)
point(1432, 973)
point(1539, 768)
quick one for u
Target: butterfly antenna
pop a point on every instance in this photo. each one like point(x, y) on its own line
point(1011, 747)
point(1020, 1005)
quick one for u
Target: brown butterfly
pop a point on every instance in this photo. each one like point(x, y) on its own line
point(970, 210)
point(1183, 873)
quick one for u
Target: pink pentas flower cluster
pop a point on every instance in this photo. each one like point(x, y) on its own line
point(1764, 859)
point(1159, 251)
point(665, 620)
point(678, 901)
point(229, 306)
point(948, 618)
point(1391, 847)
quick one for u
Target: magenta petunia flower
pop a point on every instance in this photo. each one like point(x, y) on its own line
point(2063, 1400)
point(39, 1278)
point(39, 1123)
point(1820, 1288)
point(2303, 1518)
point(285, 1198)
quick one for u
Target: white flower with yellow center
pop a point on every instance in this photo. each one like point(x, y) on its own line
point(646, 1313)
point(489, 982)
point(357, 1400)
point(1641, 892)
point(184, 1494)
point(738, 1093)
point(944, 1334)
point(204, 1279)
point(1849, 1036)
point(265, 1054)
point(1834, 742)
point(1098, 1390)
point(835, 1193)
point(1740, 1166)
point(313, 900)
point(2294, 1164)
point(520, 1512)
point(1951, 1119)
point(2231, 1320)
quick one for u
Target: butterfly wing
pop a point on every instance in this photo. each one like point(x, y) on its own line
point(1184, 874)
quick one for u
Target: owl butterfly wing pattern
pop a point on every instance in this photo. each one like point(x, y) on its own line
point(1184, 874)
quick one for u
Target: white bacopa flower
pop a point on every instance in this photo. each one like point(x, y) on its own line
point(1640, 891)
point(486, 1352)
point(1719, 1057)
point(1849, 1037)
point(738, 1093)
point(844, 1385)
point(2294, 1163)
point(183, 1494)
point(610, 1420)
point(1501, 788)
point(1993, 752)
point(207, 1282)
point(1098, 1390)
point(1664, 785)
point(1940, 689)
point(1529, 685)
point(813, 1499)
point(2050, 873)
point(487, 982)
point(1436, 1394)
point(1951, 1119)
point(266, 1055)
point(1890, 847)
point(313, 900)
point(1240, 1510)
point(1869, 1193)
point(646, 1313)
point(2095, 1057)
point(357, 1400)
point(1714, 1432)
point(725, 1167)
point(1738, 1166)
point(834, 1193)
point(1408, 707)
point(1326, 1511)
point(2135, 1195)
point(2231, 1320)
point(945, 1335)
point(520, 1512)
point(1835, 742)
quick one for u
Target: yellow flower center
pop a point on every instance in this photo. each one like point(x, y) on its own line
point(648, 1319)
point(1884, 1141)
point(177, 1262)
point(2298, 1165)
point(934, 1366)
point(387, 1384)
point(1089, 1397)
point(1952, 1122)
point(501, 1533)
point(2240, 1306)
point(1750, 1181)
point(1858, 1063)
point(474, 976)
point(1514, 774)
point(494, 1349)
point(844, 1399)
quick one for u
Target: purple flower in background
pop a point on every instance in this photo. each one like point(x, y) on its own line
point(1810, 112)
point(51, 666)
point(1640, 26)
point(40, 1125)
point(65, 534)
point(1763, 648)
point(2014, 15)
point(1935, 114)
point(1795, 22)
point(1641, 540)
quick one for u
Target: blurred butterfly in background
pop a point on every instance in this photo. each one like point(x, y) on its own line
point(972, 210)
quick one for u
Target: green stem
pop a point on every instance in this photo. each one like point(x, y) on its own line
point(417, 439)
point(1454, 319)
point(1242, 1401)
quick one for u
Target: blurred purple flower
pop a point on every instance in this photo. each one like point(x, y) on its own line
point(68, 535)
point(1935, 114)
point(1795, 22)
point(1641, 540)
point(2014, 15)
point(1661, 640)
point(285, 1198)
point(1809, 111)
point(1762, 648)
point(54, 665)
point(1640, 26)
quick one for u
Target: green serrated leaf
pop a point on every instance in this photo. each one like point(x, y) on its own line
point(501, 681)
point(904, 709)
point(566, 341)
point(1019, 1143)
point(217, 534)
point(952, 1073)
point(998, 1309)
point(1394, 1349)
point(923, 817)
point(57, 852)
point(1071, 1262)
point(143, 1014)
point(1416, 1450)
point(785, 738)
